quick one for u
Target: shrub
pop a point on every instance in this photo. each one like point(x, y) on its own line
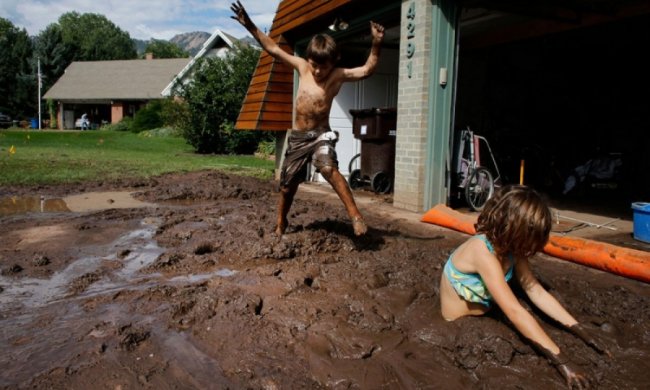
point(213, 101)
point(148, 117)
point(266, 148)
point(123, 125)
point(161, 132)
point(51, 108)
point(242, 141)
point(174, 113)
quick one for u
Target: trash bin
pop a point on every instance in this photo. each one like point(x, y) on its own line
point(376, 129)
point(34, 122)
point(641, 221)
point(374, 123)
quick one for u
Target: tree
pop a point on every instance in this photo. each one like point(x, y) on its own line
point(165, 49)
point(53, 53)
point(214, 98)
point(17, 81)
point(86, 37)
point(92, 37)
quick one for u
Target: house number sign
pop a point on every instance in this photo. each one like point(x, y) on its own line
point(410, 36)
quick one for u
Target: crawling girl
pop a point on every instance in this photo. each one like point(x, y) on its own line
point(514, 225)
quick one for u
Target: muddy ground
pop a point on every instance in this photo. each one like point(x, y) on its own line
point(194, 292)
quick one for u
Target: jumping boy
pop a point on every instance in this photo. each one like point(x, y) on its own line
point(312, 139)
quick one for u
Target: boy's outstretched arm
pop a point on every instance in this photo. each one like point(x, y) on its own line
point(368, 68)
point(264, 40)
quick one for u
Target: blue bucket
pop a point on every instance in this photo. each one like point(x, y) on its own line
point(641, 221)
point(34, 123)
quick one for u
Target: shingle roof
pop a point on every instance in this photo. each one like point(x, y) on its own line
point(123, 79)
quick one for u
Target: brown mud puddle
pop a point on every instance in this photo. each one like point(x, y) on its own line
point(195, 292)
point(92, 201)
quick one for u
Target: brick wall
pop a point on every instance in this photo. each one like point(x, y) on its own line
point(412, 108)
point(117, 112)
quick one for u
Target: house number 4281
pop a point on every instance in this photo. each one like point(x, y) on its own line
point(410, 36)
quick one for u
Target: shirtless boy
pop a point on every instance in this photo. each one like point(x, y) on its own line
point(312, 139)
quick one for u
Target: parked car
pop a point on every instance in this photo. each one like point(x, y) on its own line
point(5, 121)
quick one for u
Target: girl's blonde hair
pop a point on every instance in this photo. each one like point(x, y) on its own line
point(516, 220)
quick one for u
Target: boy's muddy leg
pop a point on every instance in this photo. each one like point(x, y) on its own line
point(337, 181)
point(286, 199)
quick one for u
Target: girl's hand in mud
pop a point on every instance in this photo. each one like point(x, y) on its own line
point(589, 338)
point(574, 378)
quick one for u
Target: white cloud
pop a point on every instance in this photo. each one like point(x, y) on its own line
point(144, 19)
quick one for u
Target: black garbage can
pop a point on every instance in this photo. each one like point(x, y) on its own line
point(376, 128)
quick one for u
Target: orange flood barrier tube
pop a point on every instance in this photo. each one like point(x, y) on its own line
point(626, 262)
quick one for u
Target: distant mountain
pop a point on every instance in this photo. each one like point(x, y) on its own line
point(192, 41)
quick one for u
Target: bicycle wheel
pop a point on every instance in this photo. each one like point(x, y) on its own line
point(479, 188)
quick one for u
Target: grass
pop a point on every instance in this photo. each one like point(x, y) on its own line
point(50, 157)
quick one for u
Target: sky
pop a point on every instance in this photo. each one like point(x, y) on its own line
point(143, 19)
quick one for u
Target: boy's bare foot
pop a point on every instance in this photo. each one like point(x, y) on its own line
point(280, 228)
point(359, 226)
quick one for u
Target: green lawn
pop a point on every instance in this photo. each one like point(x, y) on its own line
point(47, 157)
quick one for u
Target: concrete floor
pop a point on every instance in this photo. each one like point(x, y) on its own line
point(604, 224)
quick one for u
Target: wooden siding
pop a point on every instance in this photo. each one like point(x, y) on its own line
point(269, 101)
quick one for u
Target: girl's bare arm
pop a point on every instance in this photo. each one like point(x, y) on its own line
point(540, 297)
point(490, 269)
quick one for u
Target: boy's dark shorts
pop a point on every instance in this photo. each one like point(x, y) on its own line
point(315, 146)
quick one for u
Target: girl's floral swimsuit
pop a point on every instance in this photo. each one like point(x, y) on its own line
point(471, 287)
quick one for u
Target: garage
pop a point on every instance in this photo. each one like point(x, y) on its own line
point(564, 90)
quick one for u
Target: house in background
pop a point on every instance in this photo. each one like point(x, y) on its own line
point(108, 91)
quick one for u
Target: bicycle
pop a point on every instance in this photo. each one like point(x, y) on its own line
point(475, 180)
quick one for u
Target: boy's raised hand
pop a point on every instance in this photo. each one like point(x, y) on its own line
point(377, 31)
point(240, 14)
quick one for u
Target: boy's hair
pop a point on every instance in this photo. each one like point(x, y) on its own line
point(322, 49)
point(516, 220)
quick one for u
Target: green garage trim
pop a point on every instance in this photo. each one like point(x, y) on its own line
point(443, 36)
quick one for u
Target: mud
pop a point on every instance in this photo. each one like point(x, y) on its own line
point(193, 290)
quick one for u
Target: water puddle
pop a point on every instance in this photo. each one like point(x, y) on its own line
point(140, 249)
point(32, 292)
point(90, 201)
point(223, 273)
point(31, 204)
point(43, 320)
